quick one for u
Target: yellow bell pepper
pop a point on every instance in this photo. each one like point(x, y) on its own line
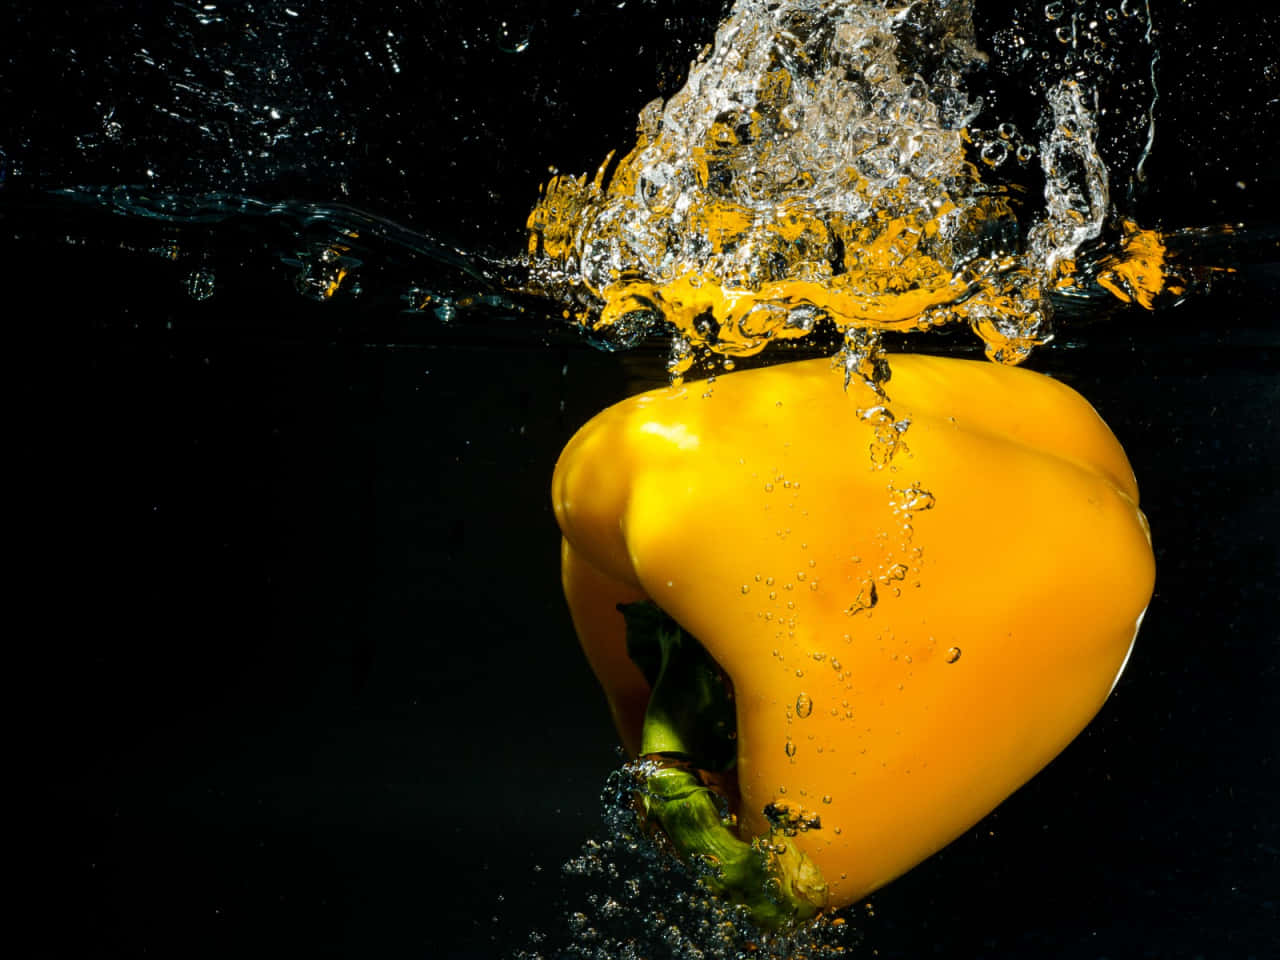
point(906, 640)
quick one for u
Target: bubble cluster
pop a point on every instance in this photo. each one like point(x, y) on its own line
point(627, 897)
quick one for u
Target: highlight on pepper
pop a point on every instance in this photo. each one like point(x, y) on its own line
point(834, 663)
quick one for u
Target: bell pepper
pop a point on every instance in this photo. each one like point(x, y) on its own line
point(859, 653)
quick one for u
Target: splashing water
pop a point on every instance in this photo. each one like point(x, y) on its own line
point(826, 170)
point(816, 169)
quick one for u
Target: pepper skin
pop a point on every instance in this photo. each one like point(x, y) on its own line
point(1011, 568)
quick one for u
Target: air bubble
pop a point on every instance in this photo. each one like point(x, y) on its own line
point(896, 572)
point(995, 153)
point(804, 706)
point(200, 284)
point(866, 599)
point(953, 654)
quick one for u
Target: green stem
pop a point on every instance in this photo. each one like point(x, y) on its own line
point(689, 727)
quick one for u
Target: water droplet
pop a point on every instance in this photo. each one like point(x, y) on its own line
point(953, 654)
point(804, 705)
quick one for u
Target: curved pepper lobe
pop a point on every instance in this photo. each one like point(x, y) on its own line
point(908, 643)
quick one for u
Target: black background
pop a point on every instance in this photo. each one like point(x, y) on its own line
point(292, 673)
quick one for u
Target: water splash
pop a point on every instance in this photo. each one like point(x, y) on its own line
point(817, 170)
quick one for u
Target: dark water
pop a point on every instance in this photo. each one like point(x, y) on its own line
point(293, 676)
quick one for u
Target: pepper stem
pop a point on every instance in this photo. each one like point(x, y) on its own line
point(690, 730)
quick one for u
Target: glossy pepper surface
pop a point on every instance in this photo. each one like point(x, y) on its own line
point(909, 638)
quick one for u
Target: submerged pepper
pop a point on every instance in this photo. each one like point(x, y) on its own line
point(904, 636)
